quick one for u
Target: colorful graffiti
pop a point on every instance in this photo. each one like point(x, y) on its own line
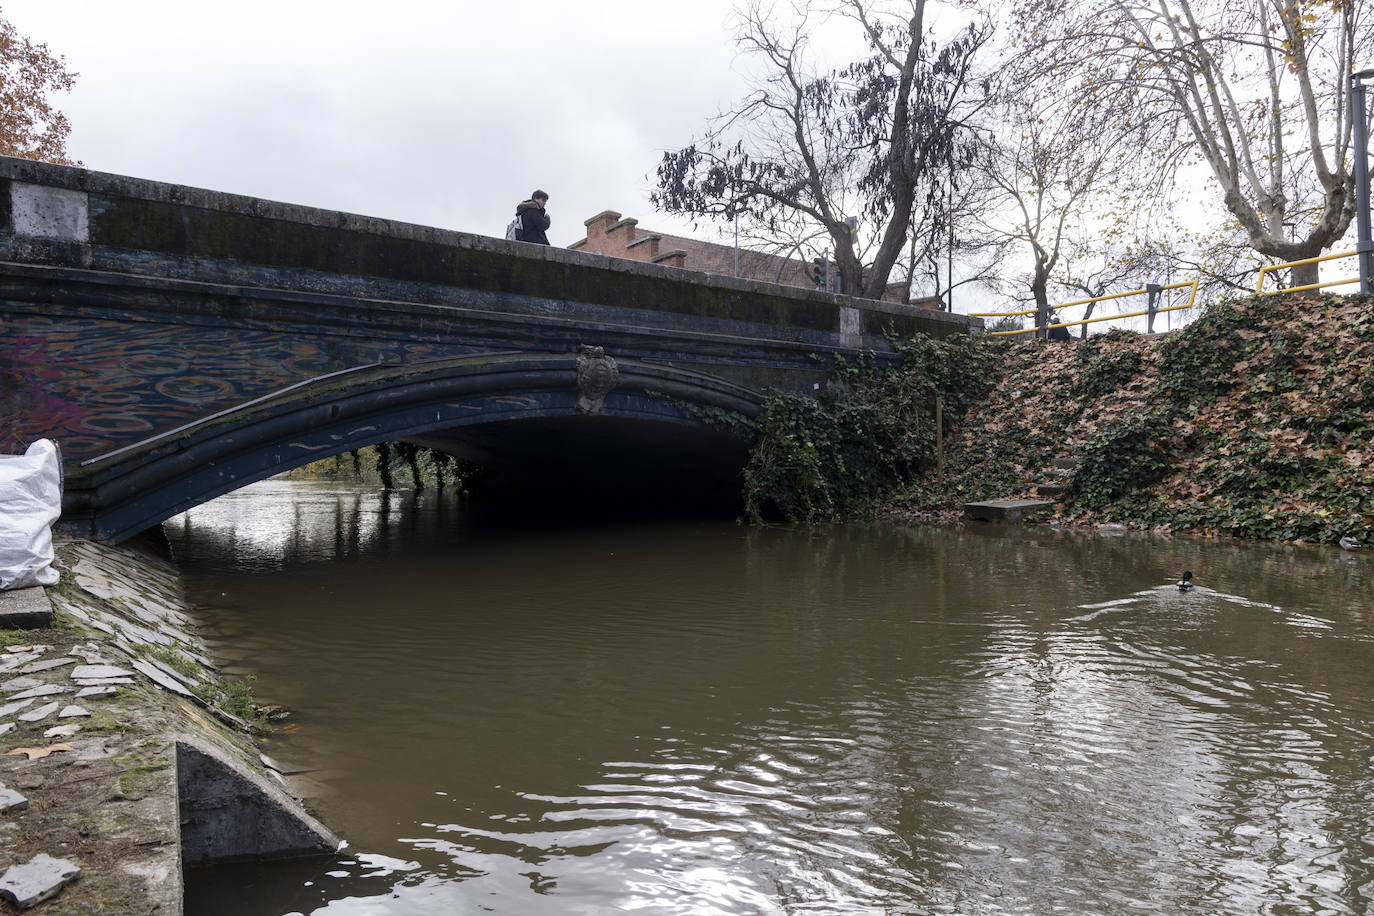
point(95, 385)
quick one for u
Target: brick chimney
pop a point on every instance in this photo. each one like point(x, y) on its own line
point(597, 227)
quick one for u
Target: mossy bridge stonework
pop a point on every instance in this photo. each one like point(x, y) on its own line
point(180, 343)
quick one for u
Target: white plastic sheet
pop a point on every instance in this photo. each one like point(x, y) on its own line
point(30, 501)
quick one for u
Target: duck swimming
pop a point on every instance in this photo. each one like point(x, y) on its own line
point(1349, 543)
point(1187, 581)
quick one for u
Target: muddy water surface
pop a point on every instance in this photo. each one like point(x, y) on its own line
point(705, 718)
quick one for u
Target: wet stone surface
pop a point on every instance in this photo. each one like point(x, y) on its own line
point(89, 708)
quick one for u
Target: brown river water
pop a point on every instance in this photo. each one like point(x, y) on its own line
point(706, 718)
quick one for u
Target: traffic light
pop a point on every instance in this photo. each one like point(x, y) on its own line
point(820, 272)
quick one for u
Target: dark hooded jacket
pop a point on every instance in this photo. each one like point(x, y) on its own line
point(534, 222)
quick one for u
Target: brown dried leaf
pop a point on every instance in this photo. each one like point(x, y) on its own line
point(38, 753)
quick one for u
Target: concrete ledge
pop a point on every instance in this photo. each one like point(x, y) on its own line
point(230, 812)
point(1006, 510)
point(25, 609)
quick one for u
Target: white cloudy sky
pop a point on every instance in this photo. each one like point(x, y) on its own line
point(440, 112)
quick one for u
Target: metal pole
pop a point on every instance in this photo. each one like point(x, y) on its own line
point(949, 253)
point(939, 439)
point(1152, 291)
point(736, 244)
point(1363, 244)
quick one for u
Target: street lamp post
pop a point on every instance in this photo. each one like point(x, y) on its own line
point(1363, 246)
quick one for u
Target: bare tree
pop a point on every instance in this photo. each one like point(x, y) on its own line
point(812, 148)
point(1049, 169)
point(948, 248)
point(1257, 90)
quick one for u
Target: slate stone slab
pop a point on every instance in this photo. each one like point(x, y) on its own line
point(12, 708)
point(91, 655)
point(94, 582)
point(161, 679)
point(95, 693)
point(43, 690)
point(72, 712)
point(11, 800)
point(38, 879)
point(12, 662)
point(20, 683)
point(39, 714)
point(35, 667)
point(98, 672)
point(6, 727)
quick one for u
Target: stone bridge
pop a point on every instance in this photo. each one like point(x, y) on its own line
point(180, 343)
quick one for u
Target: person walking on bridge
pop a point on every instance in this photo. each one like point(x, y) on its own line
point(534, 222)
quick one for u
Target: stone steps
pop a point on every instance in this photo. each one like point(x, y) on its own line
point(1053, 486)
point(1056, 478)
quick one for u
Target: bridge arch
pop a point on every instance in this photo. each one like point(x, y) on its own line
point(454, 403)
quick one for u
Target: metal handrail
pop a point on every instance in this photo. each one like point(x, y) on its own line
point(1259, 286)
point(1135, 292)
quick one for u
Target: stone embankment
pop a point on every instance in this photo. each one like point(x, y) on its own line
point(123, 754)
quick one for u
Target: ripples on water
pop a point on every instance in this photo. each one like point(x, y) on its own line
point(714, 719)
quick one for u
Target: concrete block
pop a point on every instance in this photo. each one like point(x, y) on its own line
point(25, 609)
point(38, 879)
point(1006, 510)
point(851, 327)
point(52, 213)
point(230, 811)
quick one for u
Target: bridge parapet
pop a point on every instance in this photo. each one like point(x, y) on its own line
point(71, 217)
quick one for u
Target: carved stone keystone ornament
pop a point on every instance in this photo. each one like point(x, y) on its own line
point(596, 376)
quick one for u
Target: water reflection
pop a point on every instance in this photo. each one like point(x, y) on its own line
point(713, 719)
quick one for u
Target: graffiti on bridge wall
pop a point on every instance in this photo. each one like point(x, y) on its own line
point(95, 385)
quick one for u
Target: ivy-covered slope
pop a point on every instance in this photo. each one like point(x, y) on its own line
point(1257, 420)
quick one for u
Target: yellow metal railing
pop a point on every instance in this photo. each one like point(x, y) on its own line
point(1187, 284)
point(1259, 287)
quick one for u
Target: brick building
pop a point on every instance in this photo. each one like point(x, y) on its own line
point(610, 234)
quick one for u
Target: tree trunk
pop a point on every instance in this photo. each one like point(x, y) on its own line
point(1087, 313)
point(1303, 275)
point(1040, 282)
point(384, 464)
point(851, 271)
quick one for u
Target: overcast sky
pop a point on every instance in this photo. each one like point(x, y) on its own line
point(439, 112)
